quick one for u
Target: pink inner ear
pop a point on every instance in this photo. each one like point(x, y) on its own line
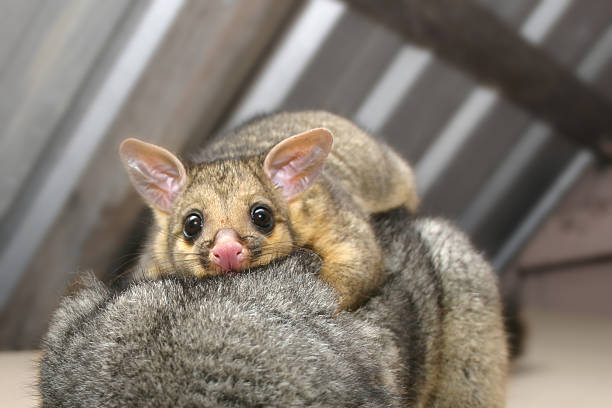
point(295, 163)
point(155, 172)
point(297, 173)
point(158, 183)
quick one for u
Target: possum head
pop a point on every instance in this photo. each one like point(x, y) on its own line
point(226, 215)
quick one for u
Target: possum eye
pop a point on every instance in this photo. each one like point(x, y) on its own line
point(192, 225)
point(261, 215)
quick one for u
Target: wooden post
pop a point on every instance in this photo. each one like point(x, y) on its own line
point(470, 37)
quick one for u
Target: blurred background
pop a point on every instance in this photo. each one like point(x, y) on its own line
point(503, 108)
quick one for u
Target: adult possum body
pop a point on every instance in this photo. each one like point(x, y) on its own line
point(431, 336)
point(303, 179)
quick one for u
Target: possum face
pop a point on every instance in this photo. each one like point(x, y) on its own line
point(228, 218)
point(227, 215)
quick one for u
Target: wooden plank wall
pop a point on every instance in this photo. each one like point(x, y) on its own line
point(567, 266)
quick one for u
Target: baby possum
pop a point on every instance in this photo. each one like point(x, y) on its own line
point(290, 180)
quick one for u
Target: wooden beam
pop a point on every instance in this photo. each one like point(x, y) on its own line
point(475, 40)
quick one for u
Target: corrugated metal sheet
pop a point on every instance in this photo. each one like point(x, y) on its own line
point(40, 163)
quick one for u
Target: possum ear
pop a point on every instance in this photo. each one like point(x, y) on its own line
point(156, 174)
point(295, 163)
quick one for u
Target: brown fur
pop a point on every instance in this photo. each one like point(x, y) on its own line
point(360, 177)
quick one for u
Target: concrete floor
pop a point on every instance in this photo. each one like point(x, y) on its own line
point(567, 364)
point(18, 379)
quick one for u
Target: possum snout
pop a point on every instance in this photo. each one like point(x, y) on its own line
point(228, 252)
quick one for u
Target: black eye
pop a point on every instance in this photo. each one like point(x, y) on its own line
point(262, 217)
point(192, 225)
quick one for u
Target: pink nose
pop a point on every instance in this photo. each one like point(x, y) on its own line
point(229, 255)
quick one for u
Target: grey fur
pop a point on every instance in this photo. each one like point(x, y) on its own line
point(431, 337)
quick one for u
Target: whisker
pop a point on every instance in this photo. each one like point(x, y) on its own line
point(172, 253)
point(156, 228)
